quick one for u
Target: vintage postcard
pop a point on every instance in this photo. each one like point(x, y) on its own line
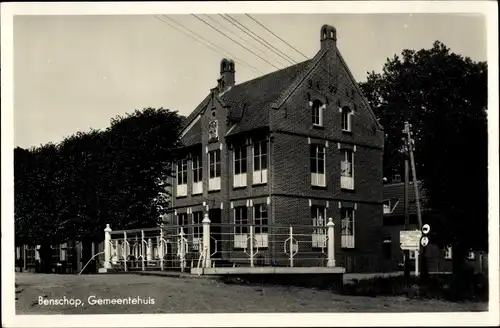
point(192, 164)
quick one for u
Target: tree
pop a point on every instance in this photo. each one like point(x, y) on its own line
point(444, 96)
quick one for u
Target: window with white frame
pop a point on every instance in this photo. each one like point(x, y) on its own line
point(448, 253)
point(471, 255)
point(197, 175)
point(240, 226)
point(182, 178)
point(260, 162)
point(260, 221)
point(197, 229)
point(214, 170)
point(317, 155)
point(346, 119)
point(318, 215)
point(347, 227)
point(347, 169)
point(183, 222)
point(387, 206)
point(317, 113)
point(240, 166)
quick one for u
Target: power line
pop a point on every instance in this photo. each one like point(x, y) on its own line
point(258, 38)
point(210, 45)
point(277, 36)
point(238, 36)
point(236, 41)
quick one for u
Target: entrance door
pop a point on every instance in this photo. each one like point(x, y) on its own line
point(215, 216)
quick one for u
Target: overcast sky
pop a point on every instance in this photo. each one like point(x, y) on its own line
point(73, 73)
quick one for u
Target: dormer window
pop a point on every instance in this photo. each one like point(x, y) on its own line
point(317, 113)
point(346, 119)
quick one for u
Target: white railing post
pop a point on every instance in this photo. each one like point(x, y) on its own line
point(125, 246)
point(182, 250)
point(331, 243)
point(206, 241)
point(114, 259)
point(251, 246)
point(160, 250)
point(291, 246)
point(143, 251)
point(149, 254)
point(107, 247)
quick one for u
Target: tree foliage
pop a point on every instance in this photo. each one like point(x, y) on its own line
point(116, 176)
point(444, 96)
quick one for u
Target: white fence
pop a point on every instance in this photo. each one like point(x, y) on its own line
point(214, 245)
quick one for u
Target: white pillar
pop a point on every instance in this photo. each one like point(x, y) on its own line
point(206, 241)
point(331, 243)
point(182, 250)
point(107, 247)
point(291, 247)
point(417, 255)
point(125, 250)
point(143, 251)
point(114, 246)
point(149, 254)
point(251, 246)
point(161, 249)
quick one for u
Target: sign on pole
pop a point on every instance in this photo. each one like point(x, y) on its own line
point(426, 229)
point(424, 241)
point(410, 239)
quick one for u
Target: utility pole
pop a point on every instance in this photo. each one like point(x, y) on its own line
point(406, 212)
point(411, 146)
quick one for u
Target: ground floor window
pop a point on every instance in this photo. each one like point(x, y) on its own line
point(347, 227)
point(318, 216)
point(240, 227)
point(261, 225)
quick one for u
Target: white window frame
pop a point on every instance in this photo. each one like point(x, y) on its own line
point(448, 253)
point(181, 177)
point(260, 157)
point(317, 109)
point(241, 227)
point(197, 168)
point(240, 161)
point(318, 217)
point(214, 178)
point(346, 179)
point(197, 219)
point(347, 239)
point(261, 225)
point(387, 207)
point(346, 119)
point(318, 179)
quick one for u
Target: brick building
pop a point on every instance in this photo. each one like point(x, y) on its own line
point(293, 147)
point(438, 259)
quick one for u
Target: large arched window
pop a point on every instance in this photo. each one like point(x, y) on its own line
point(346, 119)
point(317, 113)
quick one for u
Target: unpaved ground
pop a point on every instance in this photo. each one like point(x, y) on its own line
point(199, 295)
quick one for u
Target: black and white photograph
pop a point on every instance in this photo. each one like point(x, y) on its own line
point(250, 164)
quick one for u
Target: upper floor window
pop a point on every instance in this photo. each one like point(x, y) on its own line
point(197, 175)
point(347, 227)
point(317, 113)
point(240, 166)
point(260, 162)
point(346, 169)
point(346, 119)
point(317, 156)
point(182, 178)
point(214, 170)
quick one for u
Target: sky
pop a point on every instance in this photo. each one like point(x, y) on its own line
point(74, 73)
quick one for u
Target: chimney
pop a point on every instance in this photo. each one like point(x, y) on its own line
point(328, 37)
point(226, 79)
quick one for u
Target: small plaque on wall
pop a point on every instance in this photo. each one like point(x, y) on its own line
point(213, 130)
